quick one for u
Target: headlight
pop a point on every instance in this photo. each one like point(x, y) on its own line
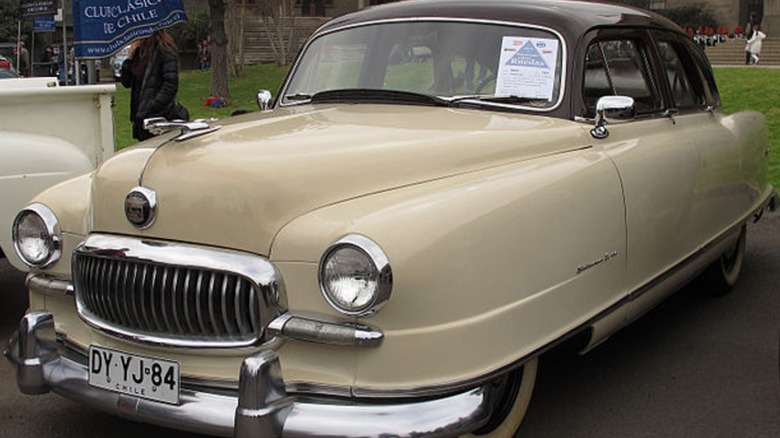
point(36, 235)
point(355, 276)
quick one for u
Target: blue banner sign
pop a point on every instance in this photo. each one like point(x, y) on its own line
point(103, 27)
point(44, 23)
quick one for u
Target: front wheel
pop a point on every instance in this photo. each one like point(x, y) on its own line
point(722, 275)
point(510, 410)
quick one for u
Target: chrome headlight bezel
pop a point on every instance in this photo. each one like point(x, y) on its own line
point(50, 232)
point(382, 275)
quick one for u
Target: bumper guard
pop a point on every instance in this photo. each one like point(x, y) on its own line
point(262, 408)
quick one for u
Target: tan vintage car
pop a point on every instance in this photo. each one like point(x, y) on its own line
point(441, 192)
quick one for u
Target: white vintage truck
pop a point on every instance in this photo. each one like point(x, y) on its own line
point(48, 134)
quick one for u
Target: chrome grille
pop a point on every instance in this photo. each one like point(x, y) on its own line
point(175, 294)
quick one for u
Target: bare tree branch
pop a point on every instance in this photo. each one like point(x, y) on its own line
point(279, 23)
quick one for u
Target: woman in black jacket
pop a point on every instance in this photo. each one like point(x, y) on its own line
point(151, 71)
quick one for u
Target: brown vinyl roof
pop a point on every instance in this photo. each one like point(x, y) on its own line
point(571, 18)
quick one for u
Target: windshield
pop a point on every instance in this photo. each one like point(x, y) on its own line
point(463, 62)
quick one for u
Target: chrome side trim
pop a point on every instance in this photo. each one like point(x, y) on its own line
point(324, 332)
point(263, 406)
point(46, 285)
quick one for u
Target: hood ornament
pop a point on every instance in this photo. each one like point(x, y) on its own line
point(141, 207)
point(196, 128)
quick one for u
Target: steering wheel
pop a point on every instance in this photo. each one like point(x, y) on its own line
point(484, 82)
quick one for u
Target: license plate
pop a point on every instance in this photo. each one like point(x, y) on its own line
point(140, 376)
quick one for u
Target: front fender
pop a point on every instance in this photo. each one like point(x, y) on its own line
point(70, 202)
point(488, 267)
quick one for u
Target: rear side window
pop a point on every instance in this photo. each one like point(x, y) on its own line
point(702, 66)
point(684, 86)
point(618, 68)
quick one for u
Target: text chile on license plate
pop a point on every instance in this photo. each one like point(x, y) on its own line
point(139, 376)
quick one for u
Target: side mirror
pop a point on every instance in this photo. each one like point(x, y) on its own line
point(611, 108)
point(264, 98)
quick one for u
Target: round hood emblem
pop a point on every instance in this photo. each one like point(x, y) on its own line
point(141, 207)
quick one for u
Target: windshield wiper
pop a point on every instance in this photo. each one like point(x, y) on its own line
point(511, 100)
point(409, 97)
point(376, 96)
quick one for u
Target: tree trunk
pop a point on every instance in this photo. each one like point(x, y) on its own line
point(219, 62)
point(230, 31)
point(241, 37)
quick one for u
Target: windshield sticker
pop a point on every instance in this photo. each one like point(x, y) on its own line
point(527, 67)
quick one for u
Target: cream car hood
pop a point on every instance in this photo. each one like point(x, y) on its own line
point(237, 187)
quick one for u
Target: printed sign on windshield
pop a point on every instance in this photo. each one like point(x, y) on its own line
point(527, 67)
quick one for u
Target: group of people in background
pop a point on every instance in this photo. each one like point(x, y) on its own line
point(751, 32)
point(708, 35)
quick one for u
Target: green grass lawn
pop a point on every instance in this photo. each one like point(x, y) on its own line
point(194, 89)
point(758, 89)
point(740, 88)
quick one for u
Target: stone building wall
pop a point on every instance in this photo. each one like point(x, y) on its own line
point(733, 12)
point(771, 23)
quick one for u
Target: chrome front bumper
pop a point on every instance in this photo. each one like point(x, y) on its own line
point(262, 407)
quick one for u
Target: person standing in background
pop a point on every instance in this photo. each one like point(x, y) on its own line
point(24, 60)
point(206, 59)
point(62, 72)
point(753, 45)
point(48, 61)
point(752, 22)
point(151, 71)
